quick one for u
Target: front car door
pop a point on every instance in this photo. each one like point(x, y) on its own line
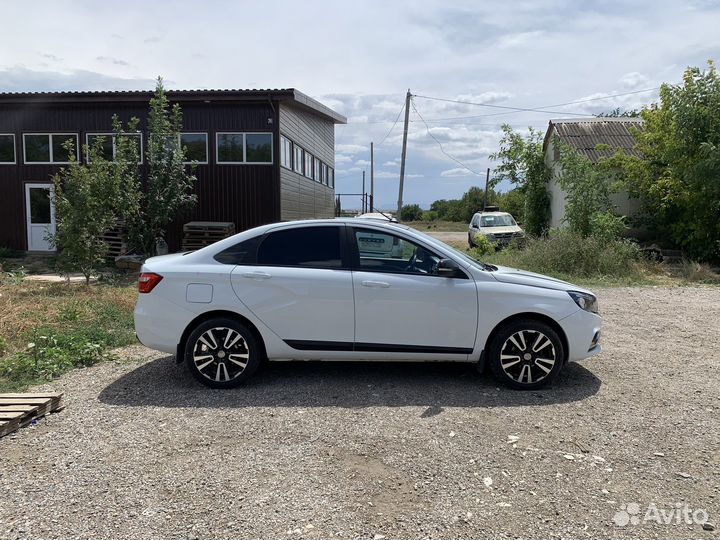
point(300, 287)
point(402, 306)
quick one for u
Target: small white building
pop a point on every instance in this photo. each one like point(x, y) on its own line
point(584, 135)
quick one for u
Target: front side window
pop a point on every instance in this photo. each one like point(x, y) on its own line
point(49, 148)
point(196, 147)
point(307, 247)
point(309, 165)
point(7, 148)
point(298, 163)
point(382, 252)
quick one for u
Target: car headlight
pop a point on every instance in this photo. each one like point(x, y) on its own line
point(585, 301)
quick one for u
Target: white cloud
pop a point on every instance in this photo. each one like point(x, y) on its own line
point(455, 172)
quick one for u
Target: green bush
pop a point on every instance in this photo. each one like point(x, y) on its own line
point(483, 246)
point(430, 215)
point(566, 254)
point(411, 212)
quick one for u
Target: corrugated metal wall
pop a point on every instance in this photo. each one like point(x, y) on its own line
point(247, 195)
point(302, 197)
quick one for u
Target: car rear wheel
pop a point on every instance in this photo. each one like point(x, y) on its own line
point(222, 353)
point(471, 244)
point(526, 354)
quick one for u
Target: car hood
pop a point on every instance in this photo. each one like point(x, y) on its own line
point(505, 274)
point(500, 230)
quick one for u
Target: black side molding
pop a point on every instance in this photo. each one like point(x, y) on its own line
point(309, 345)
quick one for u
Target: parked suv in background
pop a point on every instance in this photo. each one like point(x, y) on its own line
point(499, 228)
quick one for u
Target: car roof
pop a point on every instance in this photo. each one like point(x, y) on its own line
point(494, 213)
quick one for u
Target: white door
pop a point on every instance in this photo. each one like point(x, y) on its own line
point(40, 214)
point(299, 287)
point(402, 307)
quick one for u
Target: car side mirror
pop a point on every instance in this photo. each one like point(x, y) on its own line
point(448, 268)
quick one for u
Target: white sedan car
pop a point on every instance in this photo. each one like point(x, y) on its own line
point(351, 289)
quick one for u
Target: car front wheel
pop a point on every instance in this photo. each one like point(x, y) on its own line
point(222, 353)
point(526, 354)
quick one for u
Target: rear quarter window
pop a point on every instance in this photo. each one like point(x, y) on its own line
point(244, 252)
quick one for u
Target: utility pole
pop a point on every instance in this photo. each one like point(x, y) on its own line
point(487, 182)
point(408, 97)
point(372, 178)
point(363, 194)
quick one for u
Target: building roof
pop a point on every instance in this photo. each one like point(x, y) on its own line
point(585, 134)
point(291, 95)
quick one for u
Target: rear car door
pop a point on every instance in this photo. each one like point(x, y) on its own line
point(402, 305)
point(299, 286)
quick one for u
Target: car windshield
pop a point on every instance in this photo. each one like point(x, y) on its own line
point(503, 220)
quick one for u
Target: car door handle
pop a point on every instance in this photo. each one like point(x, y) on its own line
point(257, 275)
point(375, 284)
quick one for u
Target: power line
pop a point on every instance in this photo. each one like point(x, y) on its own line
point(427, 127)
point(518, 109)
point(393, 126)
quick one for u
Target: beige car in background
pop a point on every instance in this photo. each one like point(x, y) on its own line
point(498, 227)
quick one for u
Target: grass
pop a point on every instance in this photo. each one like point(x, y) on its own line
point(49, 328)
point(438, 226)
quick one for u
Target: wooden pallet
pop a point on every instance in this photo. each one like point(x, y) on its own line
point(198, 234)
point(18, 410)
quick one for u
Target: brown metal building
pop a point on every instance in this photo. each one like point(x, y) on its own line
point(264, 155)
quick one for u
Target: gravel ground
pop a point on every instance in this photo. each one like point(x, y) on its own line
point(401, 451)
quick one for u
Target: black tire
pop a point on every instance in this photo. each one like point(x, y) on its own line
point(526, 354)
point(215, 366)
point(471, 244)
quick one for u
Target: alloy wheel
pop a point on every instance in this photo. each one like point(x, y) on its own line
point(221, 354)
point(527, 356)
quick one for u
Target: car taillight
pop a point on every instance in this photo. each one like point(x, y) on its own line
point(147, 281)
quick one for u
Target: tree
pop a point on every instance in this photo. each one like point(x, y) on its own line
point(513, 202)
point(88, 201)
point(587, 188)
point(169, 182)
point(411, 212)
point(523, 164)
point(678, 176)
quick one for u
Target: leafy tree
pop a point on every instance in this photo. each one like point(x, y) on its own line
point(619, 113)
point(411, 212)
point(587, 188)
point(513, 202)
point(523, 163)
point(169, 182)
point(678, 177)
point(88, 201)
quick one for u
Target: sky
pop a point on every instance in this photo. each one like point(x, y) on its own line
point(360, 58)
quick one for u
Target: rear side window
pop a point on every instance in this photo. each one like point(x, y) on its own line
point(241, 253)
point(310, 247)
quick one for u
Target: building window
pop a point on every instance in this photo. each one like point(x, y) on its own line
point(249, 148)
point(49, 147)
point(286, 152)
point(196, 147)
point(7, 149)
point(309, 165)
point(324, 174)
point(298, 163)
point(230, 147)
point(316, 171)
point(107, 142)
point(258, 147)
point(331, 177)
